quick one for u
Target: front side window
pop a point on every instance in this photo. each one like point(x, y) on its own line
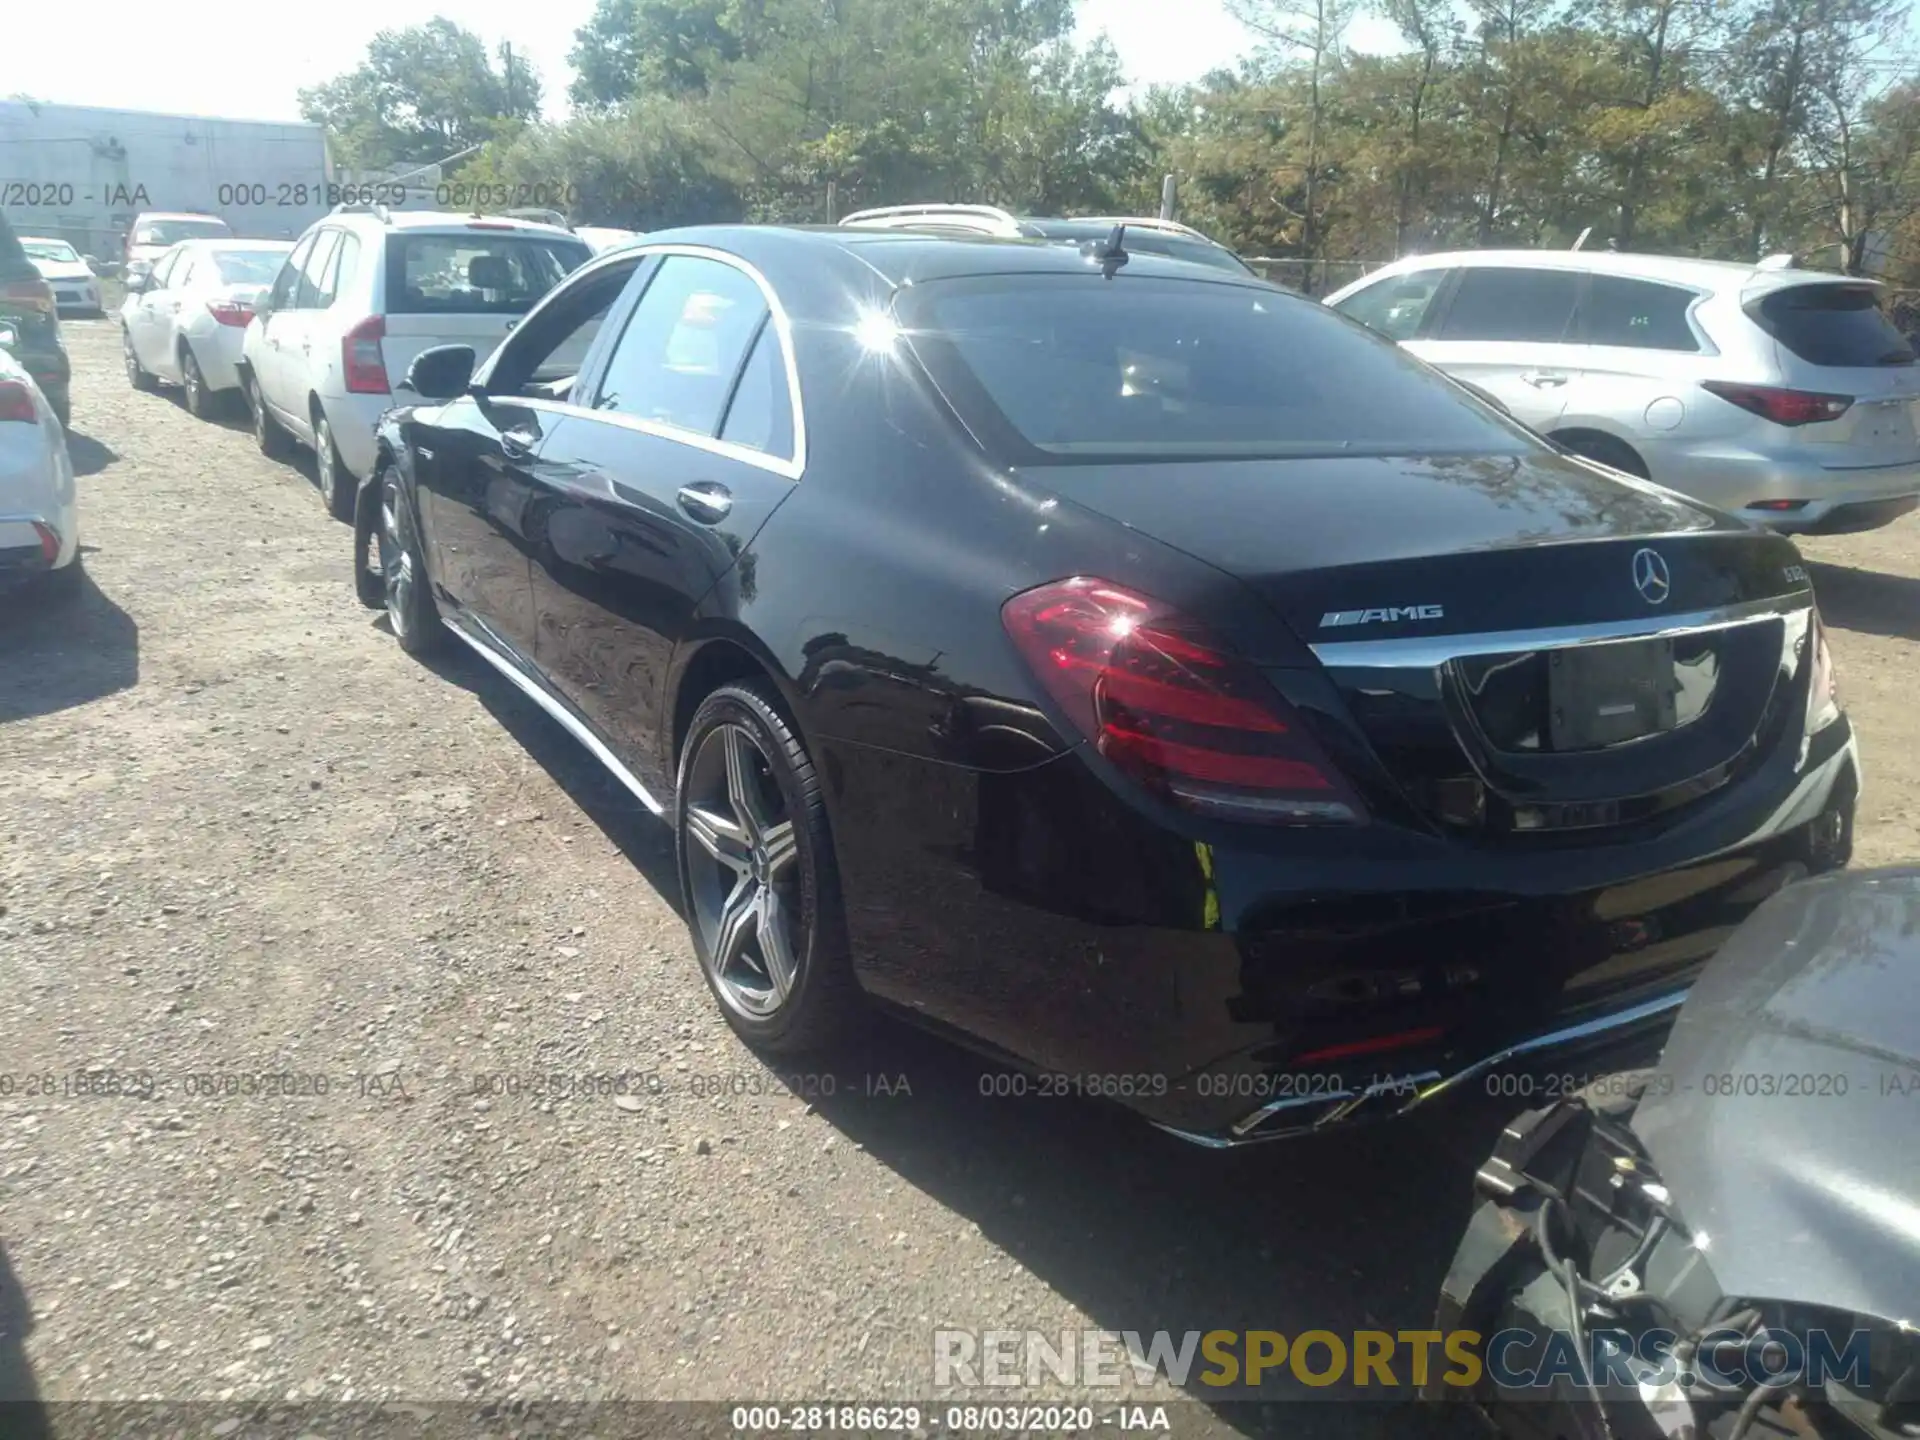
point(1069, 368)
point(1395, 306)
point(1494, 302)
point(543, 357)
point(682, 351)
point(163, 269)
point(482, 273)
point(1638, 314)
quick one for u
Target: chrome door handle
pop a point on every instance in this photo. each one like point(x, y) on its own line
point(706, 502)
point(1544, 379)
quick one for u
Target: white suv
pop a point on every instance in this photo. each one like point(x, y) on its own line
point(365, 291)
point(1782, 395)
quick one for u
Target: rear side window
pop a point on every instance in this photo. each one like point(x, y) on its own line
point(1071, 368)
point(1495, 303)
point(1837, 325)
point(1638, 315)
point(679, 358)
point(760, 415)
point(481, 273)
point(1394, 307)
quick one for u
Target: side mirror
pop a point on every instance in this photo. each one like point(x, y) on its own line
point(137, 282)
point(441, 373)
point(9, 337)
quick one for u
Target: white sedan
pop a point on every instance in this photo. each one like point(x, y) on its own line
point(76, 289)
point(39, 518)
point(185, 322)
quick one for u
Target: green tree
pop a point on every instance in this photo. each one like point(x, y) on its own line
point(421, 95)
point(606, 56)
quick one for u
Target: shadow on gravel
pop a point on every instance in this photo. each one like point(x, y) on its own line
point(21, 1415)
point(89, 456)
point(60, 651)
point(1867, 600)
point(1144, 1232)
point(640, 835)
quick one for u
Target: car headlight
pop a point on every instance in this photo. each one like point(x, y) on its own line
point(1823, 691)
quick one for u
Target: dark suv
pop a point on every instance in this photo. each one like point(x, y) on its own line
point(26, 304)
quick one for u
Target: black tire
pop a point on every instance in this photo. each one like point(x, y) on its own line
point(138, 376)
point(411, 612)
point(193, 386)
point(823, 1005)
point(274, 442)
point(337, 485)
point(1616, 454)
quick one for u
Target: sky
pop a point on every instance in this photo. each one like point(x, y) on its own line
point(212, 57)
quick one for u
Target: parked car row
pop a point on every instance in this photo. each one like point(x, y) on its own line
point(1039, 639)
point(1782, 395)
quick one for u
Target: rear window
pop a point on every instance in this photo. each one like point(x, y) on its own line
point(172, 232)
point(249, 267)
point(56, 251)
point(1146, 241)
point(1838, 325)
point(475, 274)
point(1068, 368)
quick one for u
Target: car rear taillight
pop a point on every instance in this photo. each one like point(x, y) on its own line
point(49, 542)
point(232, 312)
point(16, 402)
point(35, 293)
point(1163, 703)
point(1783, 407)
point(1823, 688)
point(360, 357)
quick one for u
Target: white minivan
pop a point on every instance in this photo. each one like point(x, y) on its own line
point(364, 291)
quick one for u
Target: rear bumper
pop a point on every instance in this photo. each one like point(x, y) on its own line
point(354, 419)
point(1826, 498)
point(1234, 995)
point(217, 349)
point(23, 546)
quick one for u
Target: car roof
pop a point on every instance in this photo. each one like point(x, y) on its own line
point(1678, 269)
point(231, 242)
point(452, 222)
point(177, 215)
point(46, 240)
point(906, 257)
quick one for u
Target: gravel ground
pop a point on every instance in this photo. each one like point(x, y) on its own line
point(244, 836)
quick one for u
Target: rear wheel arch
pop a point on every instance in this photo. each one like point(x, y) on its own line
point(721, 660)
point(1599, 445)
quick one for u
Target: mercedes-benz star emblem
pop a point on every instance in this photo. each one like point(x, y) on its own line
point(1650, 576)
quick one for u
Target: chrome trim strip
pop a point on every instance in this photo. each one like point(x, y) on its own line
point(1585, 1030)
point(567, 721)
point(1429, 652)
point(1342, 1103)
point(791, 467)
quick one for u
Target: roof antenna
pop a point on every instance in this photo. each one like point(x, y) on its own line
point(1112, 252)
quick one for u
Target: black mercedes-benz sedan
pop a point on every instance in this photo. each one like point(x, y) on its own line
point(1141, 672)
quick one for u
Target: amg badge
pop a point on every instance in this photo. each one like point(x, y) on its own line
point(1391, 613)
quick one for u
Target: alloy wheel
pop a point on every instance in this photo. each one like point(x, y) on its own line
point(259, 404)
point(743, 864)
point(191, 381)
point(396, 560)
point(133, 360)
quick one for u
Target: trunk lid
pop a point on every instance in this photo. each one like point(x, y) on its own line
point(1522, 643)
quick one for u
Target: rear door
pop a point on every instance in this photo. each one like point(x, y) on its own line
point(1510, 330)
point(266, 353)
point(466, 286)
point(1641, 347)
point(1830, 336)
point(290, 340)
point(144, 323)
point(651, 495)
